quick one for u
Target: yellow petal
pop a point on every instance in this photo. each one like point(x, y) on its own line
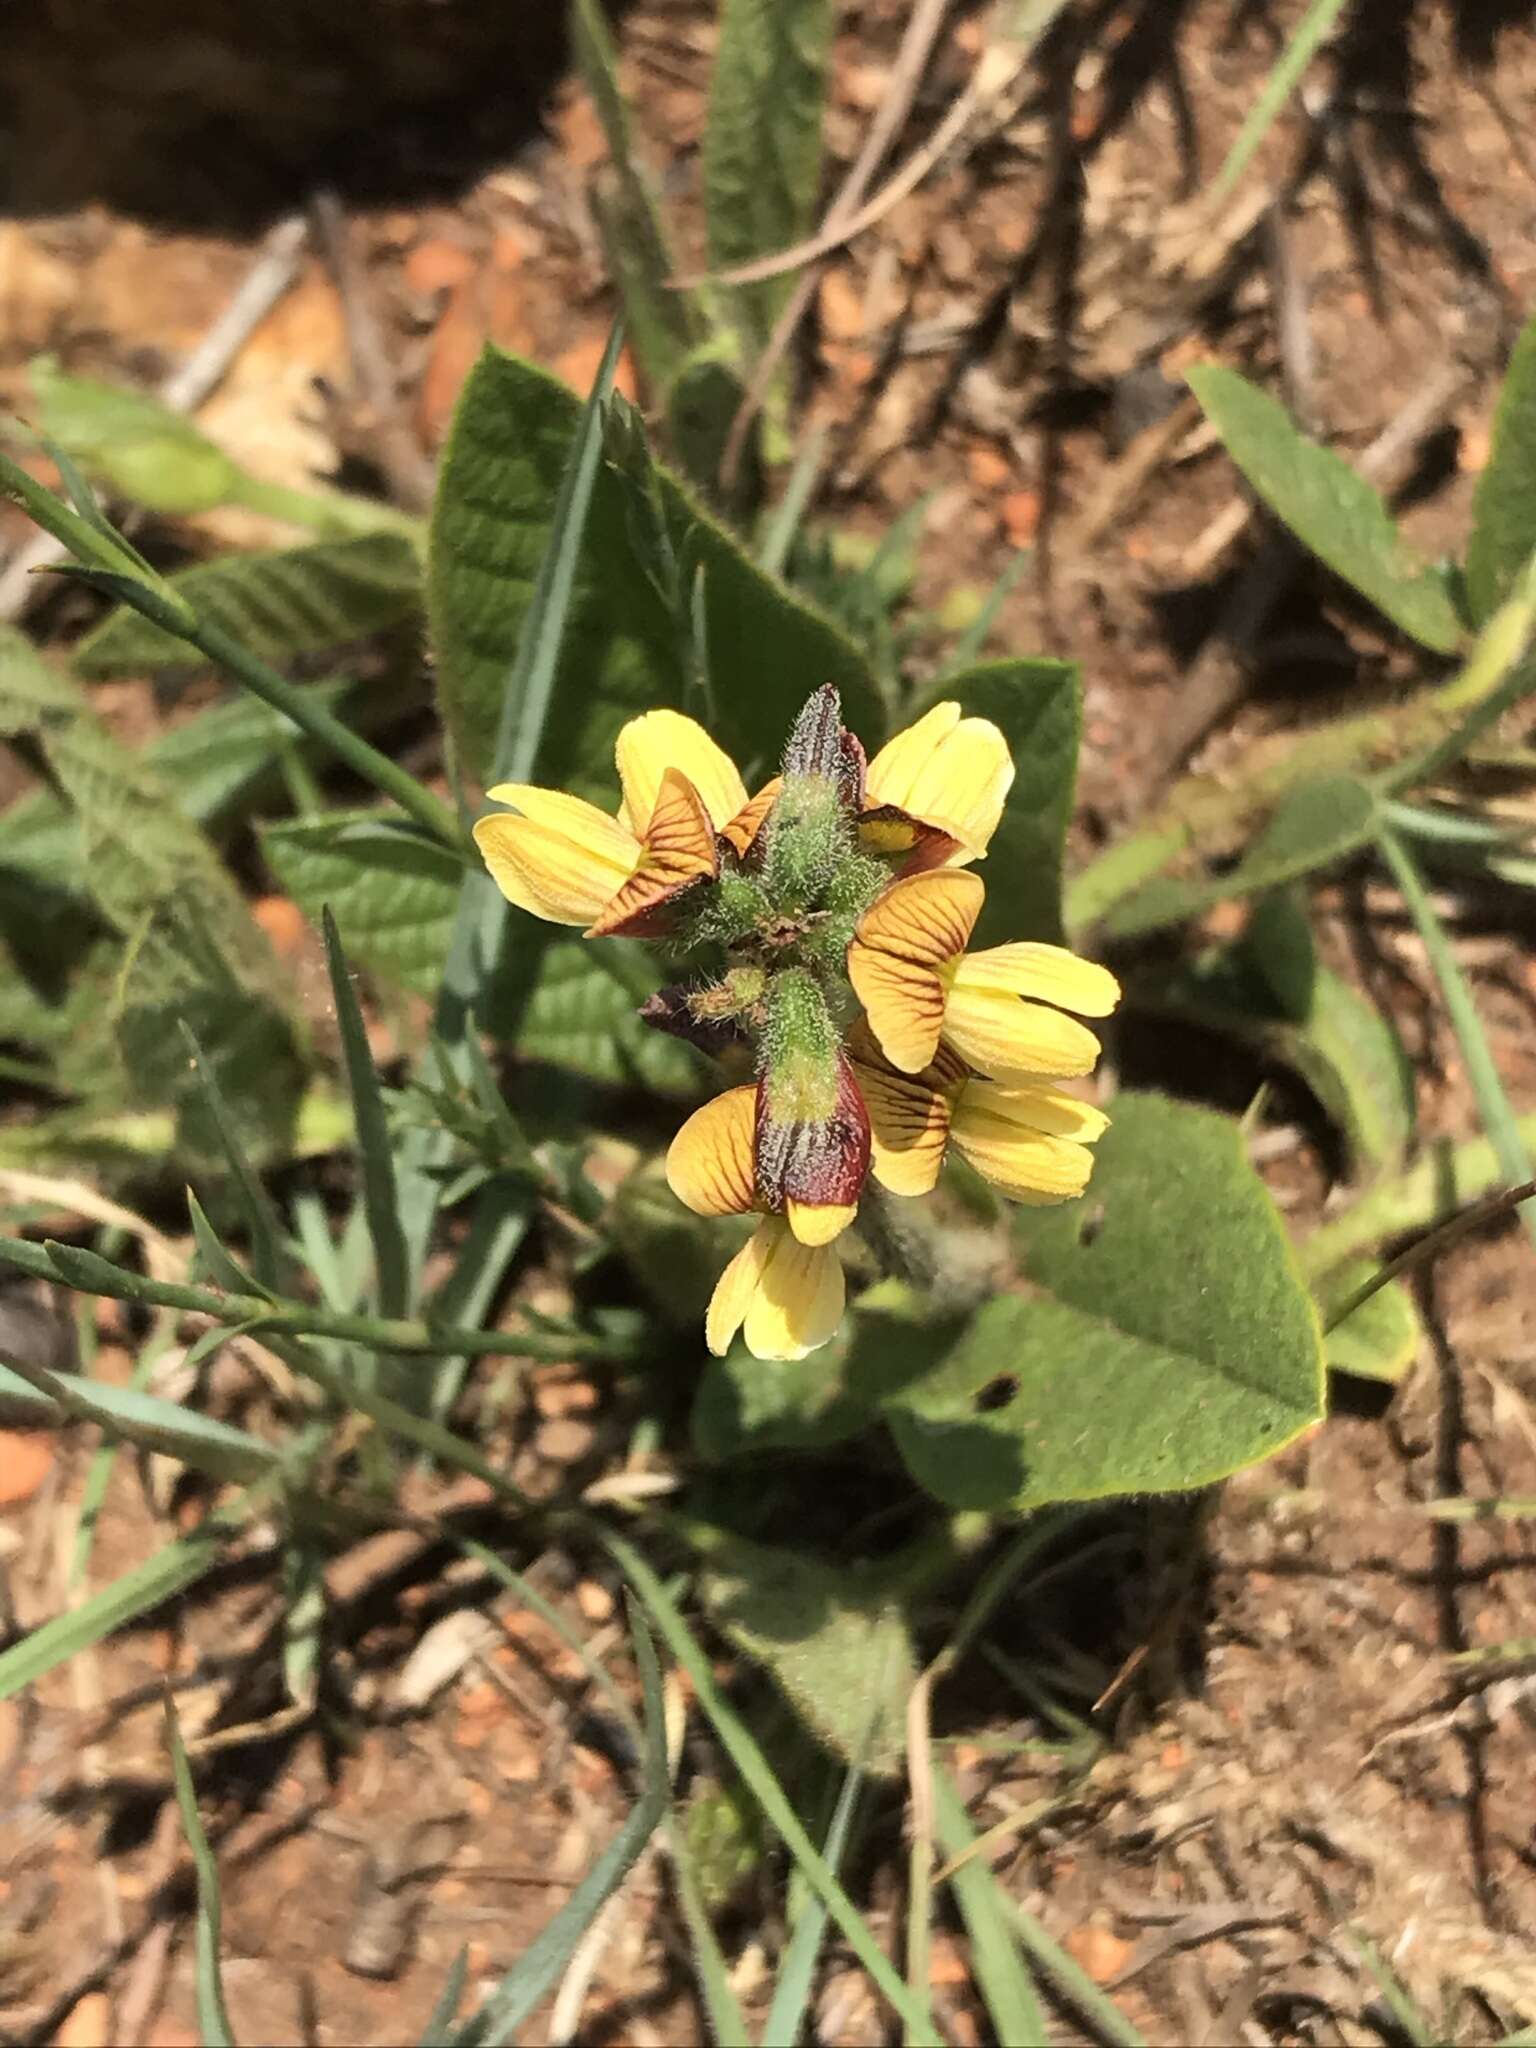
point(679, 848)
point(925, 918)
point(919, 924)
point(1032, 1106)
point(710, 1161)
point(749, 820)
point(1049, 973)
point(908, 1123)
point(892, 774)
point(952, 772)
point(647, 747)
point(1011, 1040)
point(1027, 1165)
point(563, 859)
point(737, 1287)
point(798, 1301)
point(819, 1222)
point(903, 1002)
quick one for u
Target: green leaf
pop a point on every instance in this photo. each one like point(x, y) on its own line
point(618, 654)
point(802, 1405)
point(212, 2016)
point(1161, 1341)
point(1270, 989)
point(1330, 508)
point(762, 139)
point(832, 1636)
point(278, 604)
point(1038, 706)
point(1380, 1340)
point(381, 1201)
point(660, 321)
point(140, 447)
point(1504, 504)
point(582, 1014)
point(1314, 824)
point(675, 1256)
point(392, 889)
point(130, 1416)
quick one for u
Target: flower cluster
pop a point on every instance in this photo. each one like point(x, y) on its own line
point(841, 879)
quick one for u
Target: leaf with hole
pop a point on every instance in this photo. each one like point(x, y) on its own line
point(1160, 1337)
point(1330, 508)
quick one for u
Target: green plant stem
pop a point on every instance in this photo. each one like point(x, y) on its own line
point(83, 1271)
point(1435, 1187)
point(1482, 1071)
point(1424, 1249)
point(1403, 743)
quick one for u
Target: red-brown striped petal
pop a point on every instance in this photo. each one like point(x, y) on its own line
point(710, 1163)
point(678, 850)
point(742, 830)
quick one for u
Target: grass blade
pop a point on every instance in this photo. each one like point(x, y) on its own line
point(260, 1217)
point(1415, 2026)
point(537, 1969)
point(1002, 1976)
point(792, 1992)
point(968, 646)
point(436, 2032)
point(1277, 89)
point(1487, 1087)
point(168, 1572)
point(784, 521)
point(381, 1202)
point(757, 1774)
point(1105, 2019)
point(212, 2016)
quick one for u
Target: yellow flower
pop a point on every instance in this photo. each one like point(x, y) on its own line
point(784, 1288)
point(939, 786)
point(910, 970)
point(568, 862)
point(1030, 1141)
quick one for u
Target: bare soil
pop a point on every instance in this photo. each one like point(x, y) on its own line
point(1290, 1755)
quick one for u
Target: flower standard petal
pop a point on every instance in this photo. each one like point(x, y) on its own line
point(648, 746)
point(797, 1303)
point(678, 850)
point(737, 1287)
point(894, 771)
point(1050, 974)
point(710, 1163)
point(562, 859)
point(919, 925)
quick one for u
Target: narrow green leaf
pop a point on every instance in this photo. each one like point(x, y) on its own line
point(757, 1774)
point(261, 1218)
point(1504, 504)
point(1380, 1339)
point(1002, 1977)
point(130, 1416)
point(375, 1156)
point(1171, 1282)
point(541, 1963)
point(797, 1968)
point(438, 2031)
point(1104, 2017)
point(212, 2017)
point(219, 1266)
point(1306, 39)
point(169, 1572)
point(99, 548)
point(1315, 824)
point(1329, 507)
point(280, 604)
point(762, 138)
point(659, 320)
